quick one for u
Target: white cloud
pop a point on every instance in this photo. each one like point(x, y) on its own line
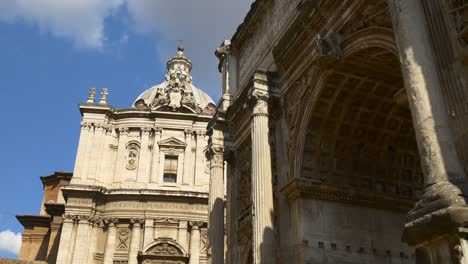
point(82, 21)
point(10, 241)
point(201, 24)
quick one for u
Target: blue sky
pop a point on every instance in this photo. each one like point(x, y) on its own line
point(53, 51)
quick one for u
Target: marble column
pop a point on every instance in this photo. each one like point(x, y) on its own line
point(216, 203)
point(262, 187)
point(441, 209)
point(95, 225)
point(188, 160)
point(65, 239)
point(80, 254)
point(135, 241)
point(143, 163)
point(149, 232)
point(155, 156)
point(110, 242)
point(195, 242)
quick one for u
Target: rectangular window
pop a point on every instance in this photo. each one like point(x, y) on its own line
point(170, 169)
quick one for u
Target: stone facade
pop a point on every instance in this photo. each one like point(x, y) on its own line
point(343, 133)
point(139, 190)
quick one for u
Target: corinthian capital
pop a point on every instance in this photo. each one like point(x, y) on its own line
point(123, 130)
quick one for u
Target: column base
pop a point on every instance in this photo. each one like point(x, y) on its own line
point(440, 237)
point(439, 196)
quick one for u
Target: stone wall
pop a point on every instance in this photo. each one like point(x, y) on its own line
point(14, 261)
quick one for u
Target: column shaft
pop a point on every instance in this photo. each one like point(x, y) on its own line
point(65, 239)
point(200, 158)
point(195, 245)
point(216, 207)
point(82, 242)
point(262, 187)
point(81, 153)
point(93, 241)
point(135, 242)
point(436, 146)
point(110, 244)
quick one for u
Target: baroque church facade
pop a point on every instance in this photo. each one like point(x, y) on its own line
point(139, 189)
point(340, 137)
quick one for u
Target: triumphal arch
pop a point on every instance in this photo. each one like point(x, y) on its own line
point(342, 131)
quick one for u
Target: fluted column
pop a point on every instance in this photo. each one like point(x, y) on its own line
point(262, 187)
point(80, 254)
point(110, 241)
point(216, 204)
point(65, 239)
point(95, 224)
point(136, 240)
point(155, 156)
point(195, 242)
point(188, 160)
point(143, 164)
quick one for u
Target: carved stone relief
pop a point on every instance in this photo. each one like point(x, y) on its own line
point(132, 156)
point(123, 239)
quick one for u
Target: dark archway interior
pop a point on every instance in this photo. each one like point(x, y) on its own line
point(360, 135)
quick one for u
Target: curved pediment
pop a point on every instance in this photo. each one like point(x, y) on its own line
point(164, 249)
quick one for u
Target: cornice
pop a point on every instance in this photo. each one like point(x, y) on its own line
point(55, 177)
point(29, 221)
point(310, 189)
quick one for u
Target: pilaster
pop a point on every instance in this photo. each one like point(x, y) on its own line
point(188, 158)
point(143, 164)
point(155, 156)
point(200, 161)
point(120, 164)
point(149, 232)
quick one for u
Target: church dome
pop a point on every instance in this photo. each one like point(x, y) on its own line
point(177, 92)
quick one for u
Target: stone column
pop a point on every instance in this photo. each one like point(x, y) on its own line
point(110, 242)
point(262, 187)
point(216, 203)
point(149, 232)
point(231, 207)
point(195, 242)
point(441, 209)
point(80, 254)
point(188, 159)
point(136, 240)
point(65, 239)
point(155, 156)
point(95, 223)
point(143, 163)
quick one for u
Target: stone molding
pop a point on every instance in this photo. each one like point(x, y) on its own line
point(300, 188)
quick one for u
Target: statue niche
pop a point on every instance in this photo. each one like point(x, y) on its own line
point(163, 251)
